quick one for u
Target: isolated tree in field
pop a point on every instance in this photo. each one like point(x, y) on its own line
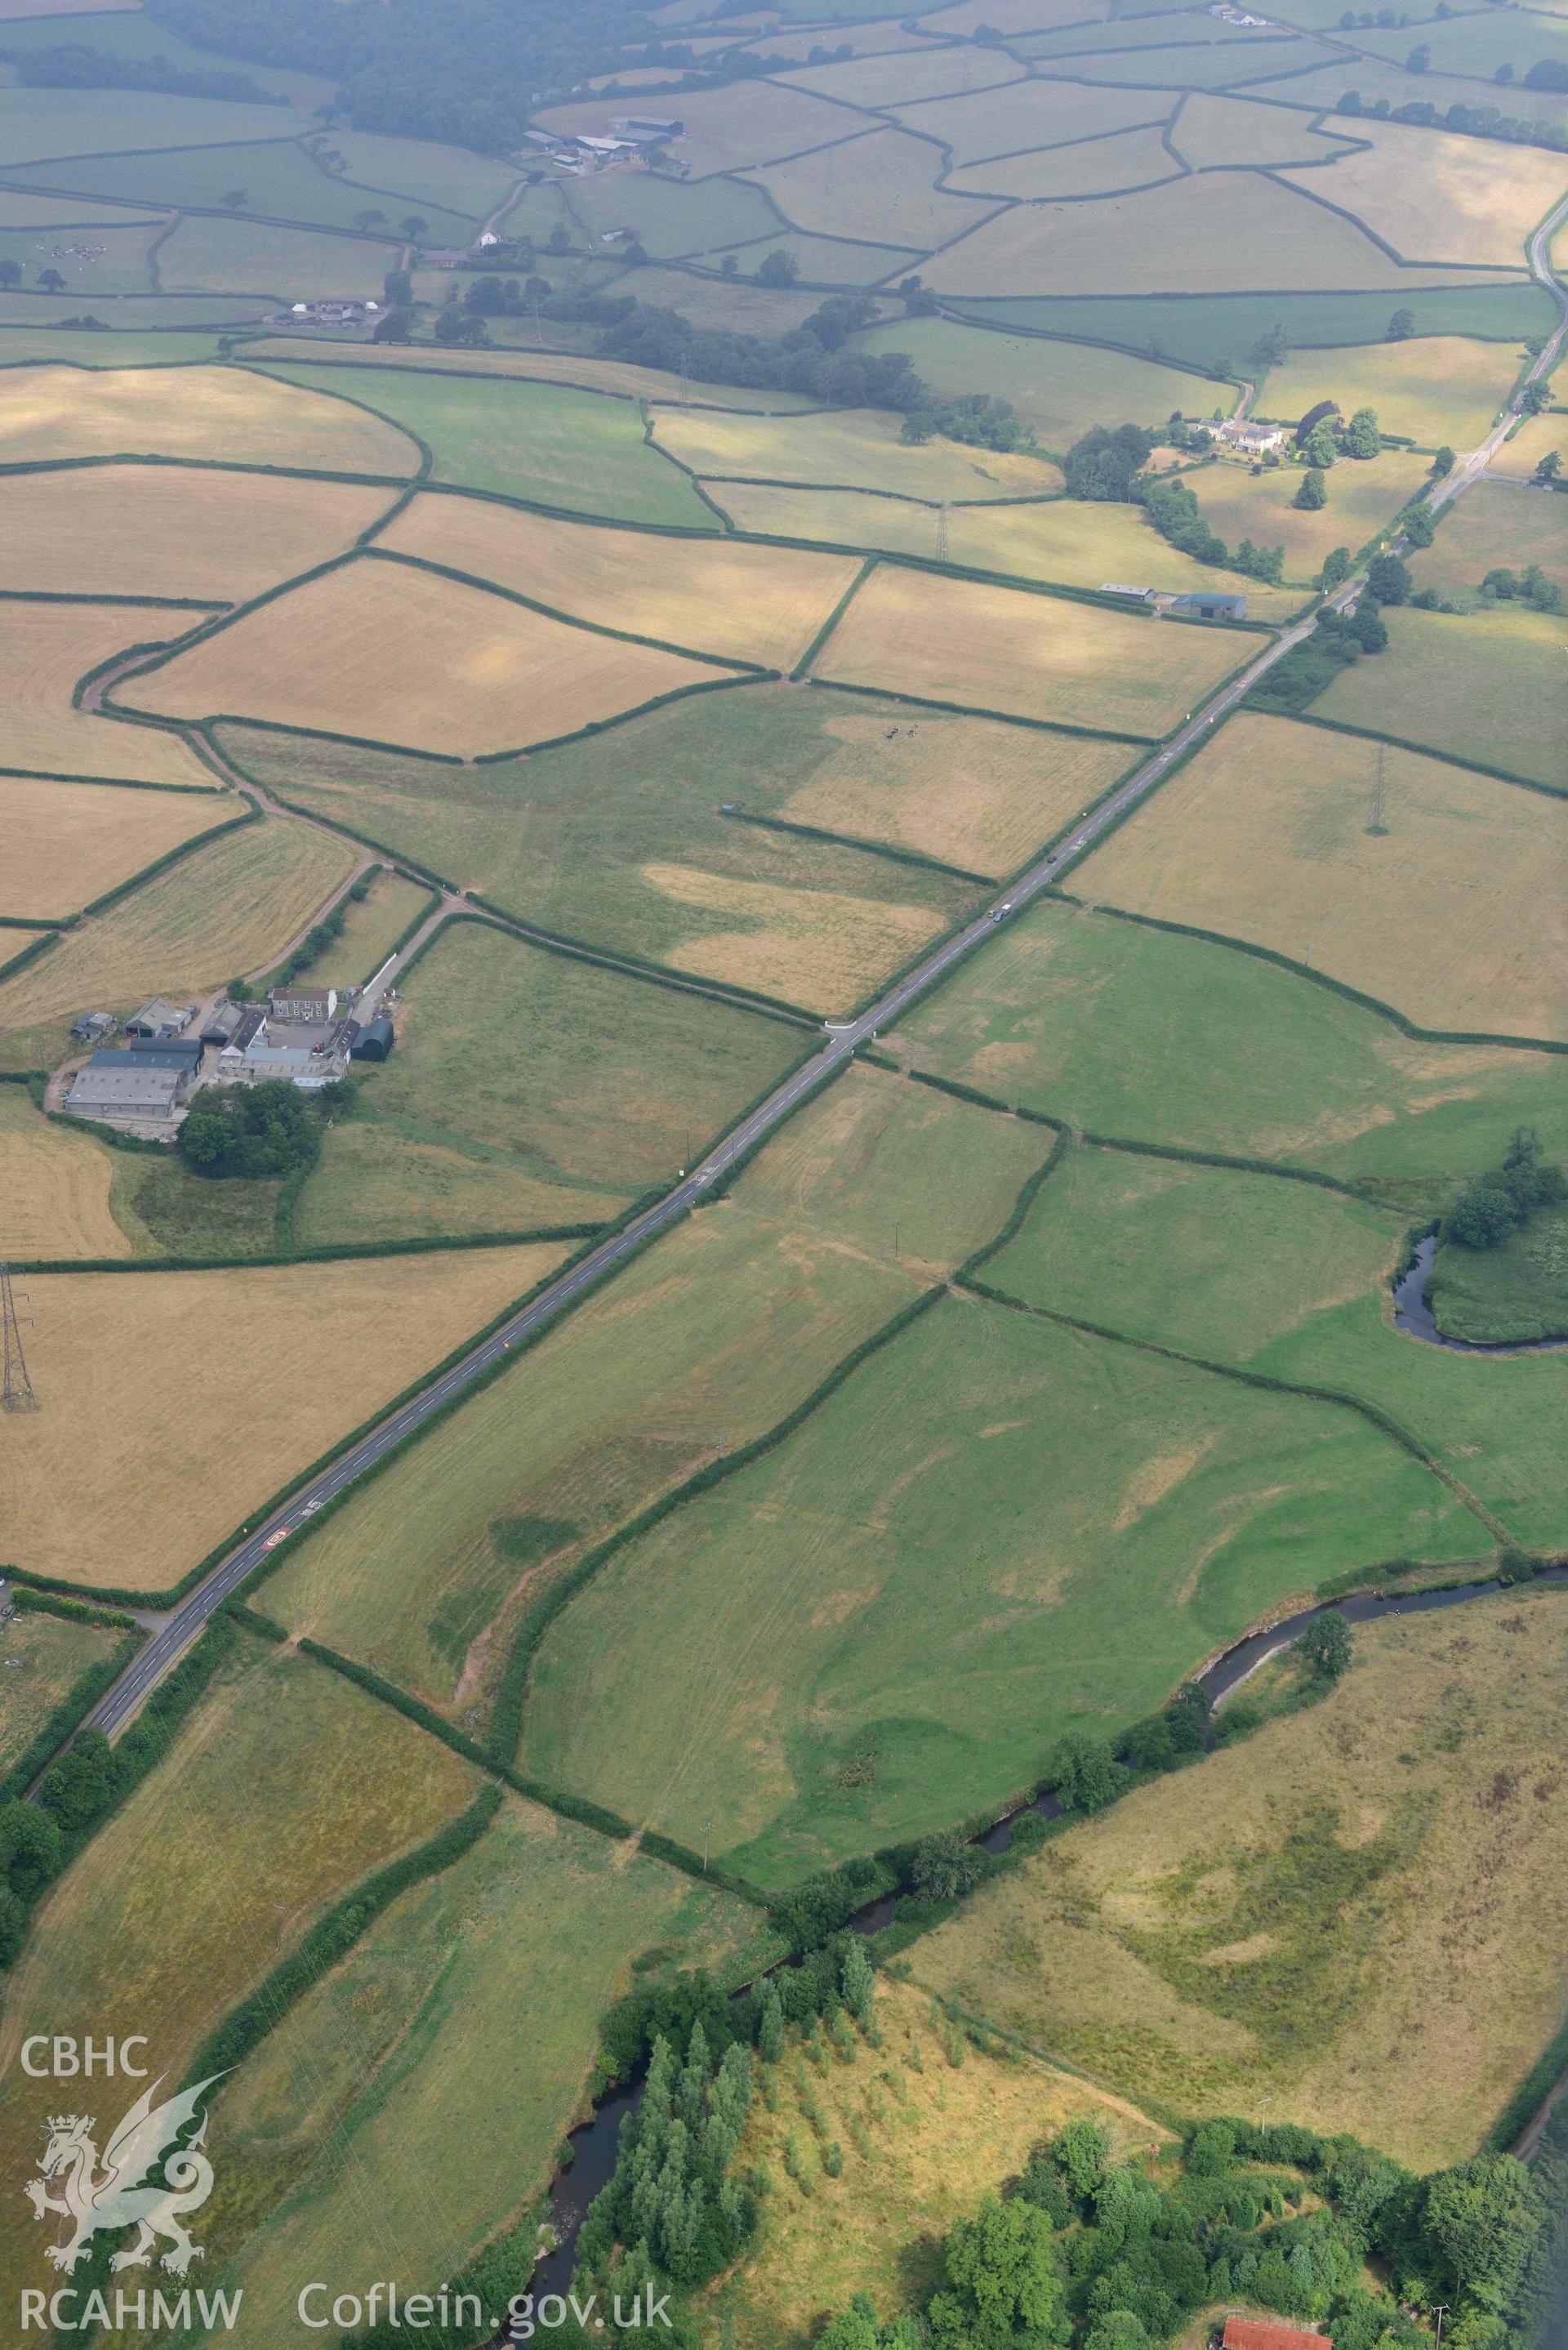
point(236, 200)
point(1335, 567)
point(10, 273)
point(1419, 58)
point(371, 217)
point(731, 265)
point(1389, 579)
point(778, 268)
point(412, 225)
point(1313, 490)
point(1325, 1647)
point(51, 281)
point(1443, 463)
point(1320, 448)
point(1547, 468)
point(1401, 326)
point(1362, 438)
point(1504, 74)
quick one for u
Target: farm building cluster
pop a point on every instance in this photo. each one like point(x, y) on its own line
point(304, 1036)
point(625, 139)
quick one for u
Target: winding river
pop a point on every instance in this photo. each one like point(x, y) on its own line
point(1414, 1316)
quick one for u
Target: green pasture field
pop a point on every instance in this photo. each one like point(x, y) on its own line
point(857, 448)
point(1517, 1291)
point(291, 264)
point(729, 128)
point(1495, 524)
point(1476, 44)
point(1089, 167)
point(734, 306)
point(446, 2055)
point(1363, 496)
point(1219, 330)
point(38, 125)
point(1066, 542)
point(1182, 235)
point(375, 1182)
point(165, 1211)
point(619, 841)
point(544, 442)
point(1210, 132)
point(1302, 1915)
point(907, 76)
point(793, 1657)
point(1271, 833)
point(125, 32)
point(1224, 65)
point(650, 1065)
point(371, 929)
point(865, 1197)
point(1429, 389)
point(279, 179)
point(1496, 1424)
point(1485, 686)
point(969, 791)
point(21, 211)
point(1204, 1259)
point(1028, 114)
point(880, 188)
point(1374, 81)
point(670, 217)
point(825, 261)
point(424, 174)
point(92, 261)
point(281, 1789)
point(1130, 1031)
point(1060, 389)
point(1187, 31)
point(43, 1658)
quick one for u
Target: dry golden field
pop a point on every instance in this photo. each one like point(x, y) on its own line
point(847, 449)
point(229, 907)
point(1489, 686)
point(879, 188)
point(1456, 915)
point(1359, 1910)
point(181, 1375)
point(145, 530)
point(1089, 167)
point(923, 2141)
point(726, 129)
point(908, 76)
point(44, 651)
point(1212, 131)
point(1363, 496)
point(1183, 234)
point(738, 603)
point(546, 367)
point(1067, 541)
point(405, 656)
point(219, 413)
point(808, 946)
point(1523, 450)
point(971, 791)
point(55, 1185)
point(1013, 15)
point(1023, 114)
point(1435, 196)
point(65, 844)
point(1432, 388)
point(1496, 522)
point(1029, 656)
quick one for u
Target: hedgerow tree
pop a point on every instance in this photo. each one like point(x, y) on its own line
point(1324, 1646)
point(1313, 490)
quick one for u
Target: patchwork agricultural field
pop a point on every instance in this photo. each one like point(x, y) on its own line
point(387, 642)
point(1273, 833)
point(799, 1306)
point(1057, 663)
point(1488, 686)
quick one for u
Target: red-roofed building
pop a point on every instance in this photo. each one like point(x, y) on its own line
point(1264, 2334)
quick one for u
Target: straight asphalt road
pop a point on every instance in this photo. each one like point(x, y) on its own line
point(183, 1626)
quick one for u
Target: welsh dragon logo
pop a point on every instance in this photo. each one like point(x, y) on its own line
point(120, 2196)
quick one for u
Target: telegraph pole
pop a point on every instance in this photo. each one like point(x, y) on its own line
point(943, 531)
